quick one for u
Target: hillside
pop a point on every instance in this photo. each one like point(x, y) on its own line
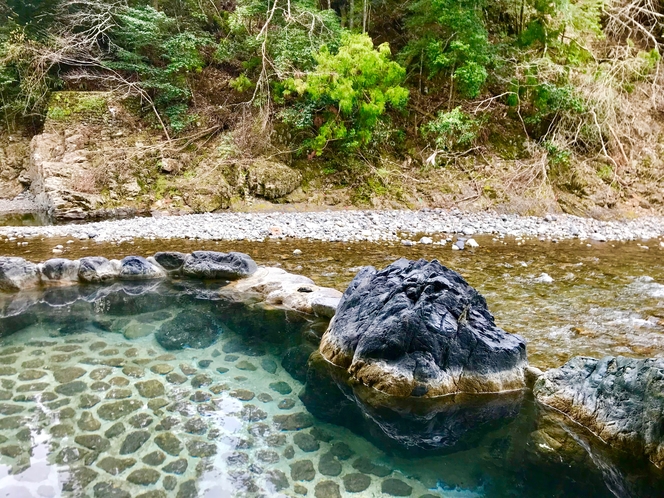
point(182, 106)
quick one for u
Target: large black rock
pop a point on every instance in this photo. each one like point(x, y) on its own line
point(417, 328)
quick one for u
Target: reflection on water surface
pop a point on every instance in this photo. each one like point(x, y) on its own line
point(94, 405)
point(604, 299)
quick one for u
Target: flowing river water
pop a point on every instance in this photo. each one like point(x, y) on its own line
point(92, 405)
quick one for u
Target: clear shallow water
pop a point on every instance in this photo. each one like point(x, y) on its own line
point(93, 405)
point(603, 298)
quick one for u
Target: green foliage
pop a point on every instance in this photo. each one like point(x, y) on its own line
point(452, 131)
point(149, 45)
point(451, 40)
point(351, 89)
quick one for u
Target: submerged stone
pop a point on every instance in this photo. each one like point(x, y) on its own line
point(366, 466)
point(396, 487)
point(107, 490)
point(281, 387)
point(294, 421)
point(176, 467)
point(306, 442)
point(155, 458)
point(144, 477)
point(302, 470)
point(327, 489)
point(189, 329)
point(201, 449)
point(118, 409)
point(328, 465)
point(71, 388)
point(150, 388)
point(115, 430)
point(93, 442)
point(133, 442)
point(278, 479)
point(87, 422)
point(356, 483)
point(168, 442)
point(115, 466)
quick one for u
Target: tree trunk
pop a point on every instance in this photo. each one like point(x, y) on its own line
point(351, 9)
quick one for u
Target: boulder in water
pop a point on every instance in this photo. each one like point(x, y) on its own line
point(189, 329)
point(617, 398)
point(60, 271)
point(138, 268)
point(17, 274)
point(217, 265)
point(95, 269)
point(417, 328)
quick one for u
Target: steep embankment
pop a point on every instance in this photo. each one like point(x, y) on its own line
point(95, 158)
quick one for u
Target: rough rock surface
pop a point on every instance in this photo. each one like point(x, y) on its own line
point(95, 269)
point(216, 265)
point(189, 330)
point(278, 287)
point(417, 328)
point(60, 270)
point(138, 268)
point(17, 274)
point(617, 398)
point(271, 179)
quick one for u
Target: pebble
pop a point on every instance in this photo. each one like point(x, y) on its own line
point(357, 225)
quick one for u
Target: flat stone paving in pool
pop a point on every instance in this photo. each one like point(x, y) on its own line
point(125, 418)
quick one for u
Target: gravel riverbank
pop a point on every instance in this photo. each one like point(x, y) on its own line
point(408, 226)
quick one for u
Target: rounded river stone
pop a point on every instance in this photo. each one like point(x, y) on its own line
point(107, 490)
point(327, 489)
point(133, 442)
point(395, 487)
point(115, 430)
point(69, 374)
point(161, 368)
point(294, 421)
point(150, 388)
point(87, 422)
point(115, 466)
point(168, 442)
point(281, 387)
point(155, 458)
point(306, 442)
point(176, 467)
point(31, 374)
point(356, 482)
point(71, 388)
point(144, 477)
point(328, 465)
point(302, 470)
point(118, 409)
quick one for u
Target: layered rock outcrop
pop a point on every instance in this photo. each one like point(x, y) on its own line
point(417, 328)
point(617, 398)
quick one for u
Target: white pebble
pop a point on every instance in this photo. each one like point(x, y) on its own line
point(472, 243)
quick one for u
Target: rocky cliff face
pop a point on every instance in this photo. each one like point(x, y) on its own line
point(13, 163)
point(96, 158)
point(87, 157)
